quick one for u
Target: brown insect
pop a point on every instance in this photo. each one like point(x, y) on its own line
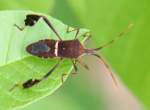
point(50, 48)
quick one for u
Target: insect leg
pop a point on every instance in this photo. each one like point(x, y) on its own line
point(20, 28)
point(74, 65)
point(31, 82)
point(54, 67)
point(72, 30)
point(86, 35)
point(82, 64)
point(75, 68)
point(51, 26)
point(31, 19)
point(62, 77)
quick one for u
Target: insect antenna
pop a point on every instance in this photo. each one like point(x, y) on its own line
point(107, 66)
point(115, 39)
point(93, 51)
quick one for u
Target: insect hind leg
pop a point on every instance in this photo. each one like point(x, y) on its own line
point(20, 28)
point(32, 19)
point(31, 82)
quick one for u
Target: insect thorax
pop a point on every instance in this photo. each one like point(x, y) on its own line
point(70, 49)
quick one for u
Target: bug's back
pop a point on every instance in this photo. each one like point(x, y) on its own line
point(70, 48)
point(49, 48)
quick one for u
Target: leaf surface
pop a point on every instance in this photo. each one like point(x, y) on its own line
point(17, 66)
point(129, 57)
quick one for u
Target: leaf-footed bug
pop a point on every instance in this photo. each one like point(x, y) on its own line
point(71, 49)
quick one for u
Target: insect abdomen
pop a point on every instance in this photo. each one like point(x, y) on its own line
point(43, 48)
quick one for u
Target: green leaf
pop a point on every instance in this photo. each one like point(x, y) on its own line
point(35, 5)
point(129, 57)
point(17, 66)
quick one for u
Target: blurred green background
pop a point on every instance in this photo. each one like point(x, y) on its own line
point(105, 18)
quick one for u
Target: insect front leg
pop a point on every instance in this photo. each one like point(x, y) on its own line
point(30, 20)
point(86, 35)
point(69, 29)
